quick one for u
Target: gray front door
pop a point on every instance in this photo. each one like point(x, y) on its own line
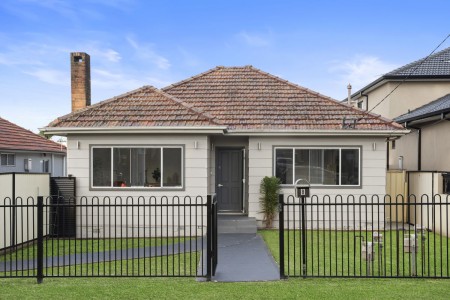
point(229, 183)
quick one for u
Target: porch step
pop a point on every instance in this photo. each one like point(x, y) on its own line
point(236, 224)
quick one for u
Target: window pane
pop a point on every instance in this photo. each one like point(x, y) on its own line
point(350, 167)
point(4, 159)
point(172, 167)
point(302, 164)
point(331, 167)
point(316, 166)
point(121, 164)
point(153, 167)
point(137, 167)
point(11, 159)
point(101, 164)
point(284, 165)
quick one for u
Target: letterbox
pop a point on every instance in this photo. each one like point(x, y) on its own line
point(302, 188)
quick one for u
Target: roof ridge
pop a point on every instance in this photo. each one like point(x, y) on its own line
point(190, 107)
point(192, 78)
point(106, 101)
point(409, 65)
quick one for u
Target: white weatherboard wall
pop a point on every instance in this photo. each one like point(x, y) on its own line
point(373, 168)
point(195, 184)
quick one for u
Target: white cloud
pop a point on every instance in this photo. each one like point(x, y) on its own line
point(146, 53)
point(51, 76)
point(254, 40)
point(360, 70)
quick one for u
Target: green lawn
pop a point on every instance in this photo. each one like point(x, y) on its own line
point(338, 253)
point(188, 288)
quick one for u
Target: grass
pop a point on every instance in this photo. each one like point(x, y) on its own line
point(60, 247)
point(338, 253)
point(187, 288)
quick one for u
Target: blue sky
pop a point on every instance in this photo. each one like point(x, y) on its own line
point(321, 45)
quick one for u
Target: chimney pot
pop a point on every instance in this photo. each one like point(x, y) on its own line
point(80, 68)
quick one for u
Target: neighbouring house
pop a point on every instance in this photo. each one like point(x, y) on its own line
point(24, 151)
point(221, 132)
point(399, 93)
point(431, 145)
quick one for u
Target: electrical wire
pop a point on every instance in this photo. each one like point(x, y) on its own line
point(367, 113)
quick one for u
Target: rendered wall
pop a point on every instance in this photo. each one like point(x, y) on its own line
point(135, 221)
point(373, 168)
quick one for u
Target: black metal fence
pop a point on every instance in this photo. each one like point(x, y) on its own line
point(113, 237)
point(364, 236)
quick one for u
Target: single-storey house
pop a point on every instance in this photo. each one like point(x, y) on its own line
point(24, 151)
point(221, 132)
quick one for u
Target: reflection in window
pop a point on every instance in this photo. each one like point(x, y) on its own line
point(137, 167)
point(101, 166)
point(283, 158)
point(318, 166)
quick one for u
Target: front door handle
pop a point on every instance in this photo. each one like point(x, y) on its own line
point(220, 185)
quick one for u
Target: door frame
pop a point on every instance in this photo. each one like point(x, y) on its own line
point(241, 148)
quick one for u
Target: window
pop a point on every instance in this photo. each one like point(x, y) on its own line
point(8, 159)
point(45, 166)
point(152, 167)
point(393, 144)
point(320, 166)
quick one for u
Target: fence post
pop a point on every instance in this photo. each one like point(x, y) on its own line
point(40, 239)
point(302, 206)
point(209, 236)
point(281, 233)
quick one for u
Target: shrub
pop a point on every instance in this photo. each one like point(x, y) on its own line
point(269, 189)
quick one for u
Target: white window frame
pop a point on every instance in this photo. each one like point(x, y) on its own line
point(7, 159)
point(161, 147)
point(340, 148)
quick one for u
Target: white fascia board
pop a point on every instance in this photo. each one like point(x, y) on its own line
point(63, 131)
point(347, 132)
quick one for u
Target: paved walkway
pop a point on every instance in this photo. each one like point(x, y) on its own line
point(105, 256)
point(241, 257)
point(244, 257)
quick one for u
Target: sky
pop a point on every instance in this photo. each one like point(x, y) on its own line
point(321, 45)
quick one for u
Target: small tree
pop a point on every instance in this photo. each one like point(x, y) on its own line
point(269, 189)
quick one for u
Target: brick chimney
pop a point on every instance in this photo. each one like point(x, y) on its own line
point(80, 68)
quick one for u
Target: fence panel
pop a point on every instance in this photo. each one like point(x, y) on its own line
point(114, 236)
point(356, 237)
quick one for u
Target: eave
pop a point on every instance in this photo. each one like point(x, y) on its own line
point(64, 131)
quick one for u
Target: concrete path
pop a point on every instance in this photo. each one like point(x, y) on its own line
point(244, 257)
point(241, 257)
point(112, 255)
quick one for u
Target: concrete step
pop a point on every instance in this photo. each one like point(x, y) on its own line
point(236, 224)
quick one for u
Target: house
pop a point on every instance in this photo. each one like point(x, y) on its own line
point(24, 151)
point(221, 132)
point(404, 90)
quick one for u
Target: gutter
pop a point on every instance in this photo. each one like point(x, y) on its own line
point(346, 132)
point(63, 131)
point(434, 116)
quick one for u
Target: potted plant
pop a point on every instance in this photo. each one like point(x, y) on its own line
point(269, 190)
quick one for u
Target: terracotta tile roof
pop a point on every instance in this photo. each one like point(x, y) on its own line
point(13, 137)
point(250, 99)
point(146, 106)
